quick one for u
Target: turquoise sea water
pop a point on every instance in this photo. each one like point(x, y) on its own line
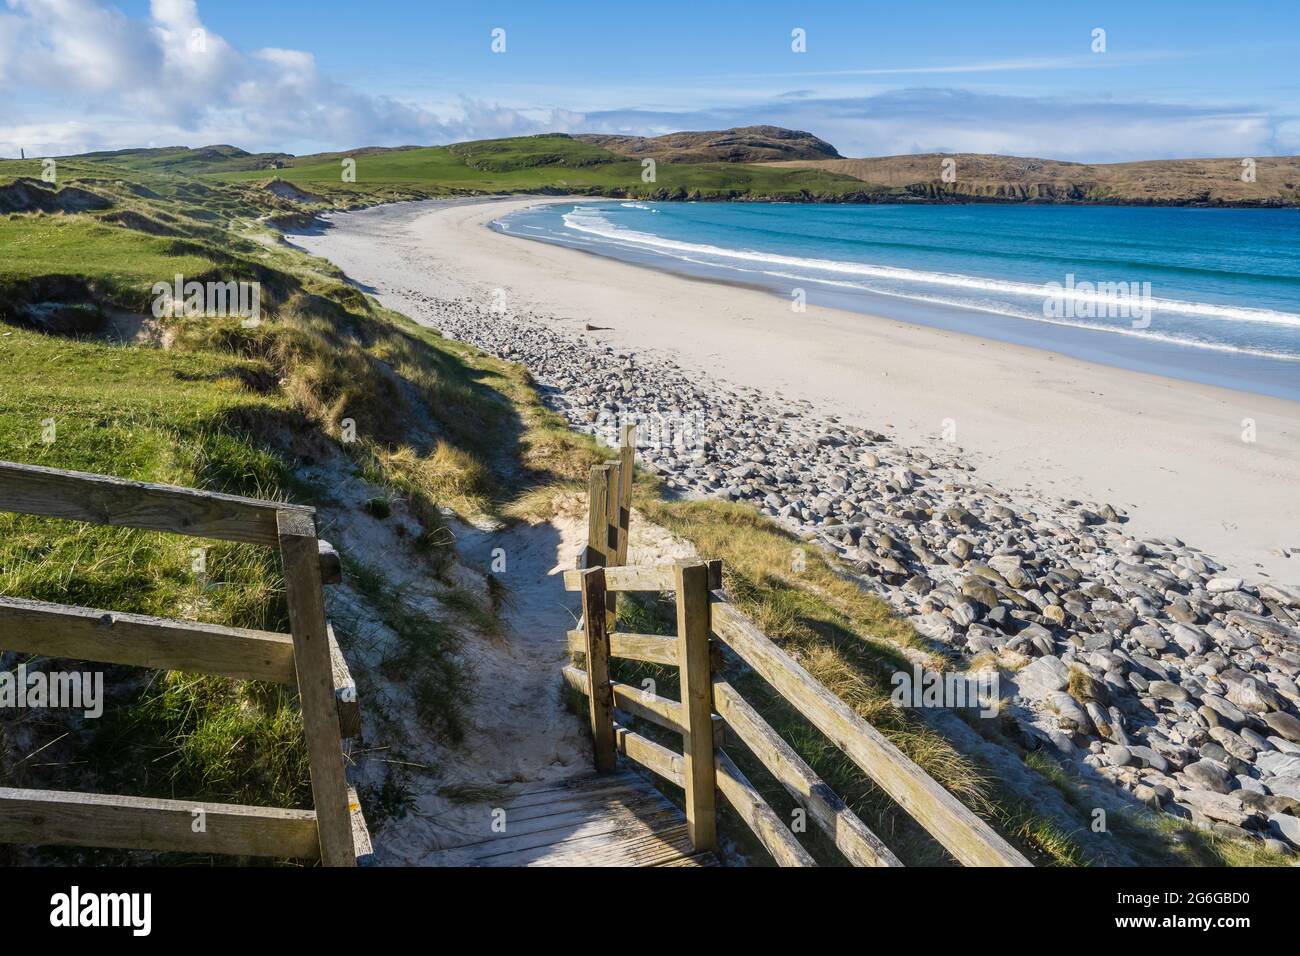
point(1207, 294)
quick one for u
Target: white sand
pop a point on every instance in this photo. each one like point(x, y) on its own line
point(1169, 452)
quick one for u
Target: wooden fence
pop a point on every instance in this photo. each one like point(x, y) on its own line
point(308, 659)
point(711, 714)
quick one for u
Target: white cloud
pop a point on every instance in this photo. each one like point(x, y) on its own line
point(94, 78)
point(1071, 128)
point(1286, 140)
point(77, 45)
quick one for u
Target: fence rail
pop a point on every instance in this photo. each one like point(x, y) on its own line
point(308, 659)
point(109, 637)
point(101, 499)
point(711, 714)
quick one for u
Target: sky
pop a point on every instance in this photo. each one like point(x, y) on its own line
point(1090, 82)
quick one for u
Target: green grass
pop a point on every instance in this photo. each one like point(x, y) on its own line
point(117, 264)
point(550, 163)
point(161, 416)
point(379, 508)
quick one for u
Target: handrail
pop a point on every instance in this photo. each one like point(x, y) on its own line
point(631, 577)
point(851, 836)
point(761, 818)
point(111, 637)
point(307, 659)
point(704, 766)
point(649, 648)
point(101, 499)
point(967, 837)
point(970, 840)
point(657, 710)
point(57, 817)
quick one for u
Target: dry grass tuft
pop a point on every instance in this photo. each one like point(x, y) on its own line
point(451, 476)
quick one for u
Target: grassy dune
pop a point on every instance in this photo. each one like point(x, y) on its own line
point(94, 252)
point(226, 408)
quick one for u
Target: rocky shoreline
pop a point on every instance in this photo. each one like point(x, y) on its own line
point(1143, 659)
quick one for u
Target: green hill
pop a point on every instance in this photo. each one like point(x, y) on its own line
point(747, 164)
point(186, 161)
point(554, 163)
point(551, 163)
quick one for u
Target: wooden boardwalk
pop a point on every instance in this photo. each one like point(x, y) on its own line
point(617, 819)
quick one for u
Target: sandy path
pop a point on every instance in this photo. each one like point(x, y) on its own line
point(518, 735)
point(1170, 452)
point(517, 732)
point(520, 730)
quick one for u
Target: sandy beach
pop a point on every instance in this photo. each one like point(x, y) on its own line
point(1169, 452)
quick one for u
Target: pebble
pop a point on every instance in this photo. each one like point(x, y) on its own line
point(1285, 725)
point(1118, 755)
point(1210, 775)
point(1285, 827)
point(1168, 691)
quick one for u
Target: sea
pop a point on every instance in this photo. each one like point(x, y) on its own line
point(1206, 295)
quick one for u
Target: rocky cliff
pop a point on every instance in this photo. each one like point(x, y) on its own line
point(1266, 181)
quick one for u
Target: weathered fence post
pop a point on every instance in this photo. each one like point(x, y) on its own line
point(600, 696)
point(697, 703)
point(311, 654)
point(609, 494)
point(597, 554)
point(627, 465)
point(613, 504)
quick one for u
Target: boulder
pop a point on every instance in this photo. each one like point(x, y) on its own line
point(1217, 806)
point(1044, 676)
point(1209, 775)
point(1284, 725)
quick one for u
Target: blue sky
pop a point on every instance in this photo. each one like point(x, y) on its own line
point(1194, 78)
